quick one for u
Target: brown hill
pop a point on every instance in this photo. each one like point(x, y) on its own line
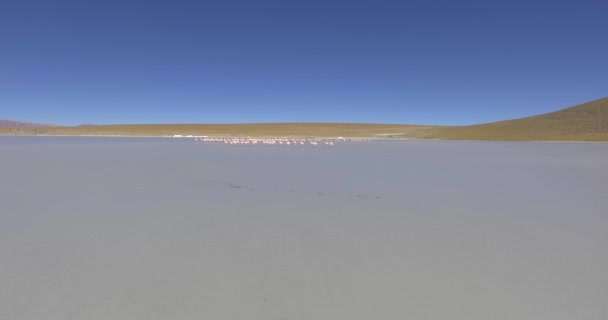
point(584, 122)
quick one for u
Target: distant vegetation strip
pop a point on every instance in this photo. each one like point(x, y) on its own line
point(585, 122)
point(237, 130)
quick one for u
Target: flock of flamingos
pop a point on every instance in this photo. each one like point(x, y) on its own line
point(296, 142)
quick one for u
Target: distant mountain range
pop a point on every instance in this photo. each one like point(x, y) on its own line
point(19, 124)
point(584, 122)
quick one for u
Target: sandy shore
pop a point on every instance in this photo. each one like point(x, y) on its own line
point(377, 138)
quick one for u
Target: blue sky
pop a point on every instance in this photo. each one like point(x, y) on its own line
point(430, 62)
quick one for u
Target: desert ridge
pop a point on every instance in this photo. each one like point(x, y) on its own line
point(584, 122)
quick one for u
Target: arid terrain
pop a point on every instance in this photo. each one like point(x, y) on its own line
point(585, 122)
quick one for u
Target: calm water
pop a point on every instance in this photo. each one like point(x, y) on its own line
point(146, 228)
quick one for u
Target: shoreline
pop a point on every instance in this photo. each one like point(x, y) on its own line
point(291, 137)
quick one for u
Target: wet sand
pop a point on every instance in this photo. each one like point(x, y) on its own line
point(103, 228)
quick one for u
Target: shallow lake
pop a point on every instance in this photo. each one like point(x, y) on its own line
point(157, 228)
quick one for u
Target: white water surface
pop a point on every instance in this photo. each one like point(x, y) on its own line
point(127, 228)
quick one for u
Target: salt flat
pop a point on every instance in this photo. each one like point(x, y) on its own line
point(103, 228)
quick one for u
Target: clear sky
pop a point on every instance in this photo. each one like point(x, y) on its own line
point(178, 61)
